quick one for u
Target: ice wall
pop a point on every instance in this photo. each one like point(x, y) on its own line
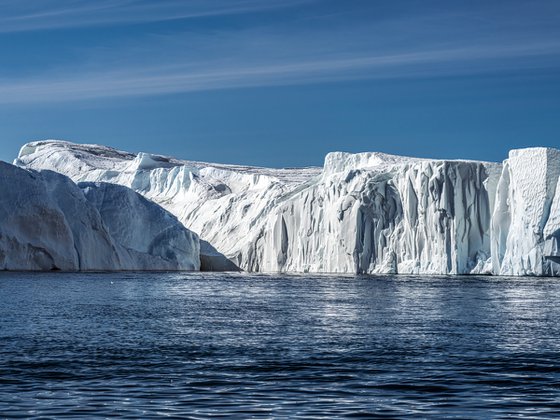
point(526, 219)
point(153, 237)
point(47, 223)
point(227, 205)
point(389, 216)
point(360, 213)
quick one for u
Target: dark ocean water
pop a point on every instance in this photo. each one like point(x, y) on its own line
point(200, 345)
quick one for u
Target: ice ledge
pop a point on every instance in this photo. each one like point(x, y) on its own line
point(343, 161)
point(336, 162)
point(550, 152)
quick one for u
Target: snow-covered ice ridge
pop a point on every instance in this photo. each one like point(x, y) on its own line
point(47, 222)
point(360, 213)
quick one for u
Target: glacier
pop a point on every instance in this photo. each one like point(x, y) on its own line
point(47, 222)
point(359, 213)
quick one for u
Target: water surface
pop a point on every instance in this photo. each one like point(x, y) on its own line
point(199, 345)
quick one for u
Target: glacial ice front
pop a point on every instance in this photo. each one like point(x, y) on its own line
point(360, 213)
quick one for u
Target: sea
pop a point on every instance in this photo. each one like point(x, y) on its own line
point(237, 345)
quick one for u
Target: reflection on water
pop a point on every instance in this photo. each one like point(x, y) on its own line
point(149, 345)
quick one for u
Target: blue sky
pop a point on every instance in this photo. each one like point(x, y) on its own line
point(282, 82)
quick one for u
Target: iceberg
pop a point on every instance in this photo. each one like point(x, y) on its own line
point(151, 235)
point(359, 213)
point(47, 222)
point(374, 213)
point(526, 219)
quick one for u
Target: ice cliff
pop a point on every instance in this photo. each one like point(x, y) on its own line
point(526, 218)
point(360, 213)
point(47, 222)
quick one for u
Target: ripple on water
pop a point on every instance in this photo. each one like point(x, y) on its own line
point(199, 345)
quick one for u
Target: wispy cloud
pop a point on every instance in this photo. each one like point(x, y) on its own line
point(335, 49)
point(32, 15)
point(184, 77)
